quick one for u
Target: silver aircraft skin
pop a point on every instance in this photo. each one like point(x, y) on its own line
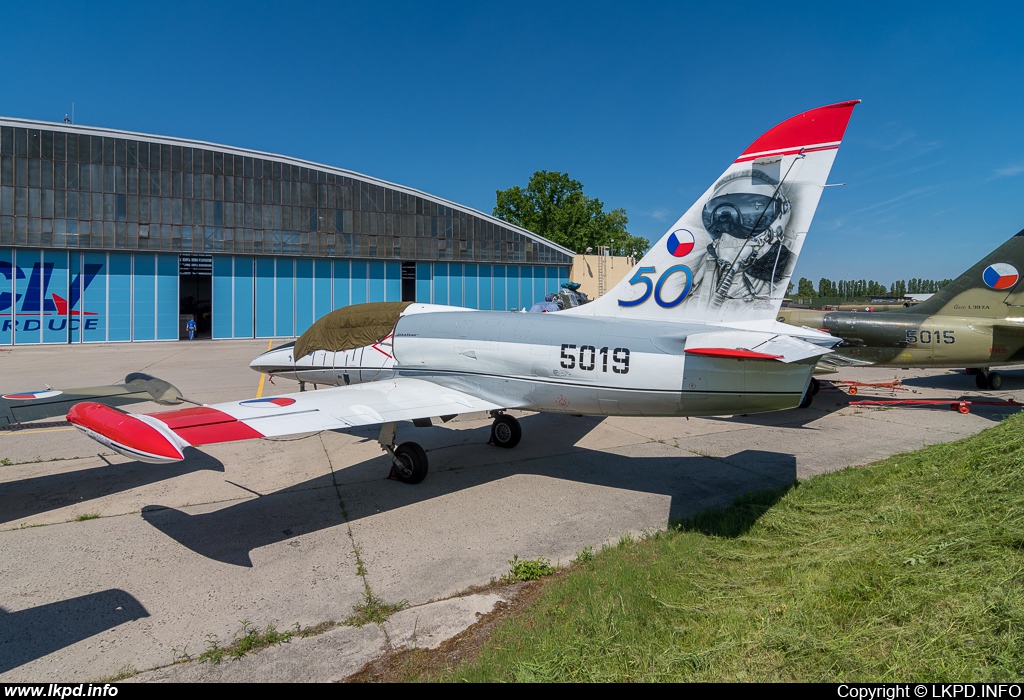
point(691, 331)
point(555, 363)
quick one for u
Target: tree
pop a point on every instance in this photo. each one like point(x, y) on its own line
point(805, 288)
point(553, 205)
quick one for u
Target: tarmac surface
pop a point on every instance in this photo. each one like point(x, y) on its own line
point(110, 566)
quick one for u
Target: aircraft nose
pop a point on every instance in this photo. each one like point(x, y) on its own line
point(272, 360)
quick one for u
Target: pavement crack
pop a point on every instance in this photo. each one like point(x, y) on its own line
point(372, 609)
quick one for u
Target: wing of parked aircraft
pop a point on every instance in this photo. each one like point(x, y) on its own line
point(691, 331)
point(160, 437)
point(22, 406)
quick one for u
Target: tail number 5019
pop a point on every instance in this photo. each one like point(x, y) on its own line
point(588, 358)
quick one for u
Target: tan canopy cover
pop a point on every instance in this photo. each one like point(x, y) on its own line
point(350, 327)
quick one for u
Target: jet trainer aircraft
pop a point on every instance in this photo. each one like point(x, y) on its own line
point(976, 321)
point(691, 331)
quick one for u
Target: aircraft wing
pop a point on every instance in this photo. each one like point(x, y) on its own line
point(159, 438)
point(21, 406)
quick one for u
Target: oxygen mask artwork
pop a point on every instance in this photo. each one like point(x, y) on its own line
point(747, 218)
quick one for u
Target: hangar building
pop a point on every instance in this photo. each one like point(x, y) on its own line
point(114, 236)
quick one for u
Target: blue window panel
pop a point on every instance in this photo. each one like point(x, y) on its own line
point(512, 287)
point(393, 281)
point(527, 297)
point(28, 295)
point(470, 287)
point(424, 283)
point(376, 276)
point(143, 297)
point(7, 275)
point(284, 295)
point(264, 297)
point(440, 283)
point(303, 295)
point(119, 300)
point(93, 304)
point(167, 297)
point(359, 282)
point(322, 288)
point(540, 284)
point(244, 299)
point(554, 283)
point(455, 284)
point(342, 283)
point(500, 290)
point(484, 288)
point(223, 291)
point(55, 296)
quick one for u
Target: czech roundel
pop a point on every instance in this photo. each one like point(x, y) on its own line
point(1000, 276)
point(26, 395)
point(680, 243)
point(267, 403)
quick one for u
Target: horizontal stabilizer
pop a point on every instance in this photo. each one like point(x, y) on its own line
point(752, 345)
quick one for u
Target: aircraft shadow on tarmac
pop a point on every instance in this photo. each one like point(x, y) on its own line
point(39, 494)
point(829, 400)
point(694, 483)
point(32, 634)
point(957, 381)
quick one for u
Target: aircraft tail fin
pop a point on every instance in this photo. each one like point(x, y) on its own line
point(989, 289)
point(730, 257)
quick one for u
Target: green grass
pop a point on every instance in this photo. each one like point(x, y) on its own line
point(907, 569)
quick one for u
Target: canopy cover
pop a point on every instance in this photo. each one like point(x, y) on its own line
point(350, 327)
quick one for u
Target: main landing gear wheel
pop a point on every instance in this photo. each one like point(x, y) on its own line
point(815, 386)
point(505, 431)
point(988, 380)
point(807, 399)
point(409, 464)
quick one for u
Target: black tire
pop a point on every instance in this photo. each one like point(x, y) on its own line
point(981, 380)
point(807, 399)
point(506, 431)
point(815, 386)
point(995, 381)
point(412, 467)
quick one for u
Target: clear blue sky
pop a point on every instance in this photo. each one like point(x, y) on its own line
point(644, 103)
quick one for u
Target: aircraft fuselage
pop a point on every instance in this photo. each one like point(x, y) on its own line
point(917, 340)
point(561, 364)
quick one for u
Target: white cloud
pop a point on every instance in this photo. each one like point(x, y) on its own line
point(1009, 171)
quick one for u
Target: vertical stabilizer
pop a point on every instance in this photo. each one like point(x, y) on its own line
point(990, 289)
point(731, 256)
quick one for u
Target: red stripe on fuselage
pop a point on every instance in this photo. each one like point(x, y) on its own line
point(734, 353)
point(204, 426)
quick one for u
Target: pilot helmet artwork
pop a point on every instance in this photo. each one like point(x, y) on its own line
point(746, 216)
point(745, 206)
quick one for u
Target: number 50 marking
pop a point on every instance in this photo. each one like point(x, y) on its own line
point(653, 289)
